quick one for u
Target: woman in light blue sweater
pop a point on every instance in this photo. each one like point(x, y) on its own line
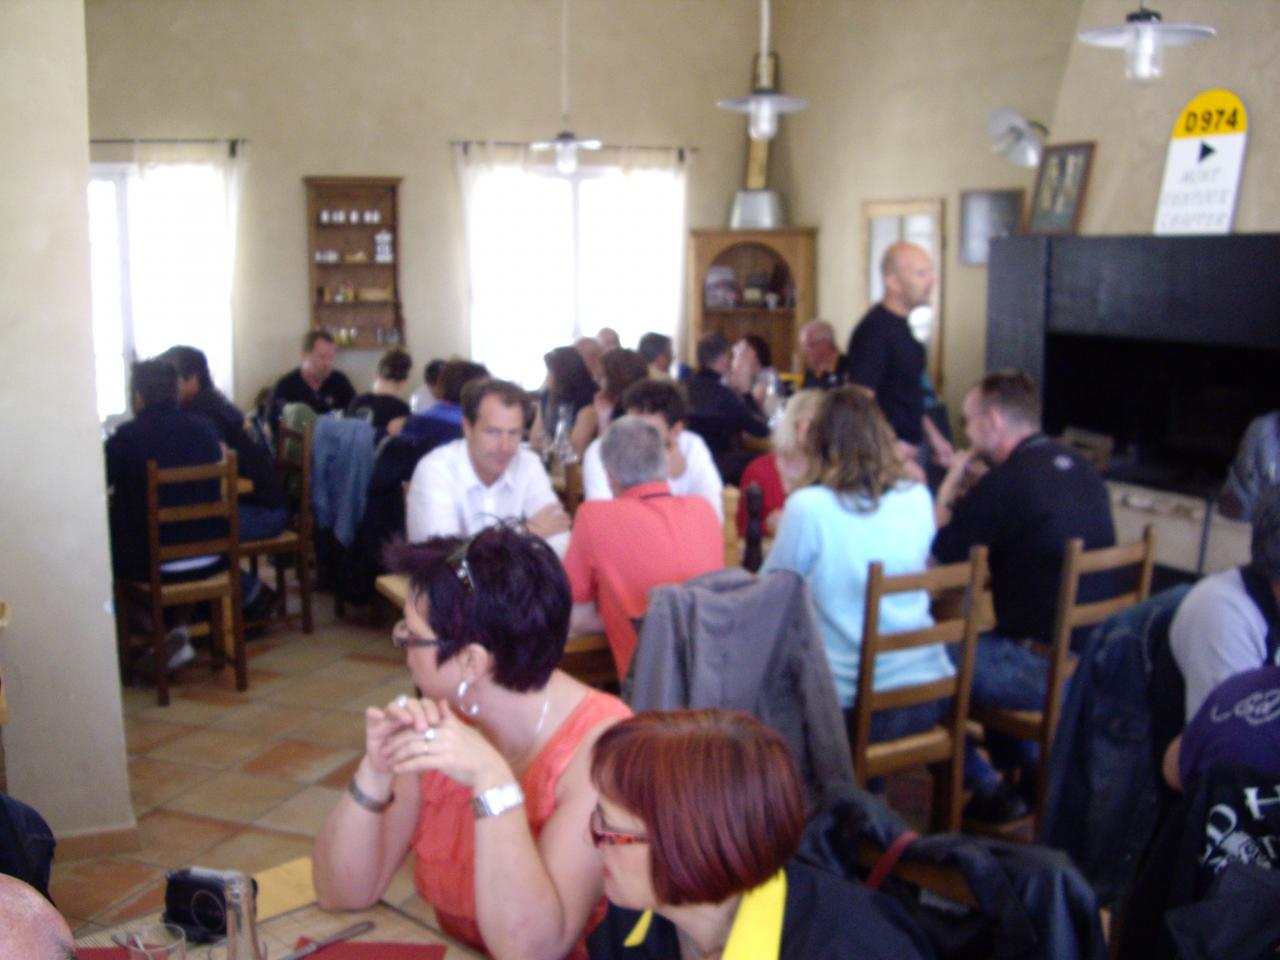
point(858, 504)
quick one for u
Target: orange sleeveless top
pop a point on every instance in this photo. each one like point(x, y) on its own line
point(444, 841)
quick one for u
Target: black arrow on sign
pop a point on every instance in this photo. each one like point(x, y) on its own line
point(1205, 151)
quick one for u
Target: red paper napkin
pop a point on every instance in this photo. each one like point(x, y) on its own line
point(376, 951)
point(338, 951)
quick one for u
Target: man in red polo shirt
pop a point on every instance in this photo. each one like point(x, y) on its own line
point(643, 538)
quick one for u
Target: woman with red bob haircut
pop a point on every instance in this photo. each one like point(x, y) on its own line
point(698, 820)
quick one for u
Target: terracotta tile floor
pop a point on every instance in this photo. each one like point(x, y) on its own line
point(225, 779)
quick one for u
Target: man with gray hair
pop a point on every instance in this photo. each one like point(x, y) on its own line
point(1229, 622)
point(824, 365)
point(643, 538)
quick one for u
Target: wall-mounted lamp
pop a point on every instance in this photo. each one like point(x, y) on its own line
point(765, 104)
point(1144, 35)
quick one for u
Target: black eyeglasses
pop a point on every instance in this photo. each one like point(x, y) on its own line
point(602, 836)
point(402, 637)
point(457, 562)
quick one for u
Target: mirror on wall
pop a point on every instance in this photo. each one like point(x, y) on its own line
point(920, 222)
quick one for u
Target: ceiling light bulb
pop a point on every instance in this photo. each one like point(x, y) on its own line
point(762, 119)
point(1143, 54)
point(763, 107)
point(566, 156)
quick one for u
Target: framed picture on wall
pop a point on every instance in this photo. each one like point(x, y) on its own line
point(1060, 187)
point(984, 216)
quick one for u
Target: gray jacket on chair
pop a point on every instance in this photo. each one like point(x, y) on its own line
point(731, 639)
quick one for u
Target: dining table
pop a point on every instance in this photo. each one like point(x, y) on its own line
point(289, 917)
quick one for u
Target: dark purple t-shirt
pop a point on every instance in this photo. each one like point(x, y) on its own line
point(1239, 723)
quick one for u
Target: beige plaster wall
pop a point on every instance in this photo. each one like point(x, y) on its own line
point(64, 746)
point(900, 91)
point(1131, 123)
point(381, 87)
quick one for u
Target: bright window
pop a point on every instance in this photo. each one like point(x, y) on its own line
point(161, 238)
point(555, 257)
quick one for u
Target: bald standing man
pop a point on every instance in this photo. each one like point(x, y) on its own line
point(886, 359)
point(30, 927)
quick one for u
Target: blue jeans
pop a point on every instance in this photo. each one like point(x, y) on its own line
point(1005, 674)
point(258, 523)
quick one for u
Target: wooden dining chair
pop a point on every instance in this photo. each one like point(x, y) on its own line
point(210, 492)
point(297, 541)
point(729, 497)
point(589, 658)
point(1039, 726)
point(941, 747)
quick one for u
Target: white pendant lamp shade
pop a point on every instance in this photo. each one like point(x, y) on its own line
point(1143, 37)
point(765, 104)
point(762, 109)
point(565, 144)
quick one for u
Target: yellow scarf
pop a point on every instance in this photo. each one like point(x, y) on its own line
point(756, 933)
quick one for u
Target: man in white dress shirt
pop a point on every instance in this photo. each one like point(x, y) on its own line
point(691, 471)
point(486, 477)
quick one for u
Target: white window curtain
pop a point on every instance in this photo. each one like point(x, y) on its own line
point(553, 257)
point(163, 231)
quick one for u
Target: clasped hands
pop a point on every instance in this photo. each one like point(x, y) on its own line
point(412, 736)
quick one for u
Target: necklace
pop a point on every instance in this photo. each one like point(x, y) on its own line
point(542, 716)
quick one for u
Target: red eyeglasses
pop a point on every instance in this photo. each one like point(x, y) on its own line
point(602, 836)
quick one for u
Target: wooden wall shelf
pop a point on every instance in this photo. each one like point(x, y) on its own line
point(355, 217)
point(741, 264)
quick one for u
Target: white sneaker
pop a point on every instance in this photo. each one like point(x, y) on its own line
point(178, 643)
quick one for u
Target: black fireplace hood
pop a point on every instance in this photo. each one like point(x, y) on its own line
point(1170, 345)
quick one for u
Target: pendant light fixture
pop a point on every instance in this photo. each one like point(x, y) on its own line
point(765, 104)
point(1144, 35)
point(565, 144)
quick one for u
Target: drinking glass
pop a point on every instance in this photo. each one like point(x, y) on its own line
point(155, 941)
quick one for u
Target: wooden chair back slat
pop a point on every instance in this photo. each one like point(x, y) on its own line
point(910, 696)
point(948, 631)
point(1091, 614)
point(202, 511)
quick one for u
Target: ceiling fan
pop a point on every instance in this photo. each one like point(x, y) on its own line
point(565, 144)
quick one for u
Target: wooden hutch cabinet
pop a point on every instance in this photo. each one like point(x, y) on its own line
point(354, 250)
point(752, 281)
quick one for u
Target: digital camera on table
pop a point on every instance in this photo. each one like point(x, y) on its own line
point(195, 900)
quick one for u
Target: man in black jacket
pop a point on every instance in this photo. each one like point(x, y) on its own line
point(1030, 497)
point(161, 432)
point(314, 382)
point(264, 512)
point(720, 415)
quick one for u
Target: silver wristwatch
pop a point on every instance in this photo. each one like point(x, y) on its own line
point(497, 800)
